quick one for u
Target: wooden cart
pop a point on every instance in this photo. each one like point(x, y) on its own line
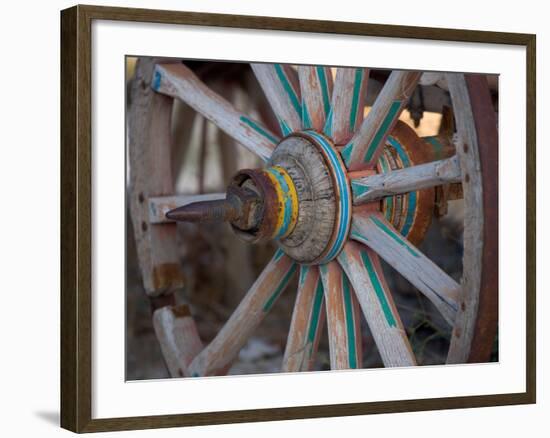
point(338, 192)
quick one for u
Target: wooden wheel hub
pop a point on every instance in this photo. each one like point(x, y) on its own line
point(306, 198)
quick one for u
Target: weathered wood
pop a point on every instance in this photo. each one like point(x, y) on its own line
point(282, 88)
point(318, 206)
point(375, 187)
point(348, 103)
point(246, 318)
point(378, 234)
point(160, 205)
point(178, 81)
point(178, 337)
point(343, 323)
point(410, 213)
point(316, 91)
point(434, 78)
point(363, 268)
point(368, 142)
point(183, 119)
point(485, 117)
point(442, 144)
point(467, 149)
point(151, 175)
point(308, 319)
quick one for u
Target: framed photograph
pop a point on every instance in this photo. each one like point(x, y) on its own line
point(268, 218)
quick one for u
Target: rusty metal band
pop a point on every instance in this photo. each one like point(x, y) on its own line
point(269, 195)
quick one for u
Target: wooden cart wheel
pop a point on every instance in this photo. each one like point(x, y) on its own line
point(322, 197)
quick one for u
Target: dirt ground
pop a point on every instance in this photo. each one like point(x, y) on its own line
point(212, 302)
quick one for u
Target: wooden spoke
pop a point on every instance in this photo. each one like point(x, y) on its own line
point(375, 187)
point(178, 337)
point(316, 90)
point(344, 332)
point(363, 268)
point(368, 142)
point(348, 103)
point(177, 80)
point(160, 205)
point(308, 319)
point(282, 88)
point(248, 315)
point(379, 235)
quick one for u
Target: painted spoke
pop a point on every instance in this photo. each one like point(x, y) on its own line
point(178, 81)
point(316, 91)
point(160, 205)
point(343, 323)
point(379, 235)
point(348, 103)
point(367, 143)
point(282, 89)
point(308, 319)
point(363, 268)
point(246, 318)
point(375, 187)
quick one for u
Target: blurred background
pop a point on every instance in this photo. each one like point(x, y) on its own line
point(219, 268)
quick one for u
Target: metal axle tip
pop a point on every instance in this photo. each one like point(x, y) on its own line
point(204, 211)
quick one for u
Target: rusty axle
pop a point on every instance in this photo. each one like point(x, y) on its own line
point(220, 210)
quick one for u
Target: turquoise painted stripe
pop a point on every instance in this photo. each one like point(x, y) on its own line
point(344, 189)
point(269, 303)
point(437, 146)
point(394, 236)
point(346, 153)
point(324, 88)
point(386, 309)
point(315, 312)
point(392, 113)
point(328, 124)
point(355, 98)
point(284, 128)
point(350, 322)
point(304, 269)
point(359, 189)
point(388, 200)
point(358, 236)
point(287, 208)
point(306, 120)
point(156, 80)
point(288, 88)
point(278, 254)
point(259, 129)
point(411, 206)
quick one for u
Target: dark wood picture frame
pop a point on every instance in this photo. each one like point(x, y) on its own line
point(76, 225)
